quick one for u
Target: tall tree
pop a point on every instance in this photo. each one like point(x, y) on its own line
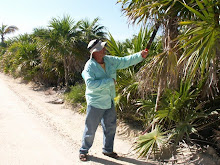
point(91, 30)
point(5, 29)
point(201, 40)
point(65, 41)
point(167, 13)
point(196, 65)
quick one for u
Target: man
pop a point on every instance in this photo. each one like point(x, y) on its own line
point(100, 77)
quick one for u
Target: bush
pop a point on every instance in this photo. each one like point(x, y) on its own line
point(77, 96)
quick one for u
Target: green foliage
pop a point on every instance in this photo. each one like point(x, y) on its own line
point(115, 48)
point(201, 44)
point(152, 142)
point(145, 109)
point(77, 93)
point(181, 79)
point(180, 114)
point(56, 56)
point(91, 30)
point(127, 84)
point(22, 58)
point(179, 110)
point(4, 30)
point(127, 92)
point(77, 96)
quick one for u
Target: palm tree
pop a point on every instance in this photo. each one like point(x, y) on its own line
point(64, 40)
point(162, 69)
point(5, 29)
point(91, 30)
point(202, 46)
point(23, 57)
point(127, 95)
point(199, 61)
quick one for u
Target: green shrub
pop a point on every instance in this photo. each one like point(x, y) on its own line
point(77, 96)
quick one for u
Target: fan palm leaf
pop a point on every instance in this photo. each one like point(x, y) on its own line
point(202, 41)
point(152, 142)
point(92, 30)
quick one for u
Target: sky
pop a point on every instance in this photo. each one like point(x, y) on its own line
point(30, 14)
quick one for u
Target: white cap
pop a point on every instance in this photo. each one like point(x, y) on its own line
point(95, 45)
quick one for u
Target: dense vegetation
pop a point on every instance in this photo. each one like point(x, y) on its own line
point(173, 94)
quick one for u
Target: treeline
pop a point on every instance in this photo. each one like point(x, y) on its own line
point(52, 56)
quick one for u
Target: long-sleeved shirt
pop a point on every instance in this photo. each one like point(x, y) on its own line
point(100, 86)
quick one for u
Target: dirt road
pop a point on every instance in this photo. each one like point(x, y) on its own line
point(36, 132)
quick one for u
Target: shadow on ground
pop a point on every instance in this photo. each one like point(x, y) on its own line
point(123, 161)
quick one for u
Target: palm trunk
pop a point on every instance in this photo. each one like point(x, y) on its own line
point(157, 25)
point(2, 38)
point(66, 74)
point(159, 92)
point(171, 33)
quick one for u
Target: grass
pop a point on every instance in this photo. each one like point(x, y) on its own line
point(77, 96)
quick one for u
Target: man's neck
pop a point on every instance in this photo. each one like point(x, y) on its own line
point(99, 60)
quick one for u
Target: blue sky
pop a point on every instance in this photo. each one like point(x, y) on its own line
point(30, 14)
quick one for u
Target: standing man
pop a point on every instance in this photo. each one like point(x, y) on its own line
point(100, 77)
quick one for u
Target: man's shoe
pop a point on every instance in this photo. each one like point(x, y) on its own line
point(111, 154)
point(83, 157)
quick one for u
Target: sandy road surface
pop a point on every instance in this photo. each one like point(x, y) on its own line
point(36, 132)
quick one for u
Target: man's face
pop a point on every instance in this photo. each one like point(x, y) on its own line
point(101, 53)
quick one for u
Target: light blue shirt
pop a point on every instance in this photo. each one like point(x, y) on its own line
point(100, 86)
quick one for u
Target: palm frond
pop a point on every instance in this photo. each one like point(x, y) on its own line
point(114, 48)
point(150, 143)
point(201, 43)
